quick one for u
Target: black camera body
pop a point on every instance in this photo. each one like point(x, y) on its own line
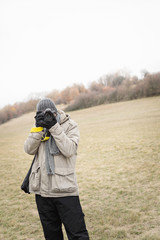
point(49, 115)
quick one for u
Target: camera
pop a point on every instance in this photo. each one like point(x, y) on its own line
point(49, 115)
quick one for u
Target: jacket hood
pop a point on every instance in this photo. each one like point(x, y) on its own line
point(63, 116)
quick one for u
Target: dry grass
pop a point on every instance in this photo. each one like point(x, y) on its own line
point(117, 170)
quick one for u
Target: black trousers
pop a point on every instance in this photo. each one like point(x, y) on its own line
point(55, 211)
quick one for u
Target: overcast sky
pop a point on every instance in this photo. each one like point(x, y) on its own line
point(51, 44)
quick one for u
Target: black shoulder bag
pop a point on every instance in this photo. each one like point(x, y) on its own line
point(25, 184)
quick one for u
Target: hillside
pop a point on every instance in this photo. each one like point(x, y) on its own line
point(117, 169)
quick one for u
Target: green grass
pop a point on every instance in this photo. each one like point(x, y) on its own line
point(117, 169)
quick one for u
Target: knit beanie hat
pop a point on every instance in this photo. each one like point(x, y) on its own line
point(45, 103)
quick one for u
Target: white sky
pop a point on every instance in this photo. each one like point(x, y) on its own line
point(51, 44)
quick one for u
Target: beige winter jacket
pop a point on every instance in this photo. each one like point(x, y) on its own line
point(63, 182)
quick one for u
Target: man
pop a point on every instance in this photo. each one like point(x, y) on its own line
point(54, 141)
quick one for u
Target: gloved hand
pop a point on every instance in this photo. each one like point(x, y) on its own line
point(49, 122)
point(39, 119)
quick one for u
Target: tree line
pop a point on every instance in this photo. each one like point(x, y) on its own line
point(110, 88)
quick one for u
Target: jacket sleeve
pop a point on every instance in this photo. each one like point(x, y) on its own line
point(67, 142)
point(33, 141)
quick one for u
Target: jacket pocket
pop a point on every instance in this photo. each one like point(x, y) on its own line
point(64, 180)
point(35, 180)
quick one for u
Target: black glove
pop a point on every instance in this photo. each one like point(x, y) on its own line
point(49, 122)
point(39, 119)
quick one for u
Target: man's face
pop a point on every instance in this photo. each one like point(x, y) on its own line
point(55, 114)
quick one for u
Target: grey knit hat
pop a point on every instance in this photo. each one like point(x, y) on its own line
point(45, 103)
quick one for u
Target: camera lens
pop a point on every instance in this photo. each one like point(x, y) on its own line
point(48, 116)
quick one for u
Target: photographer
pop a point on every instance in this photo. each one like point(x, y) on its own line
point(54, 141)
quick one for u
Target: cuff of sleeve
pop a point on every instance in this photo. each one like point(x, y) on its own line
point(56, 129)
point(36, 129)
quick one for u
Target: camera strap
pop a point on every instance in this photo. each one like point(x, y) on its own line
point(45, 136)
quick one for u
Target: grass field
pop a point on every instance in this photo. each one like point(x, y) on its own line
point(118, 171)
